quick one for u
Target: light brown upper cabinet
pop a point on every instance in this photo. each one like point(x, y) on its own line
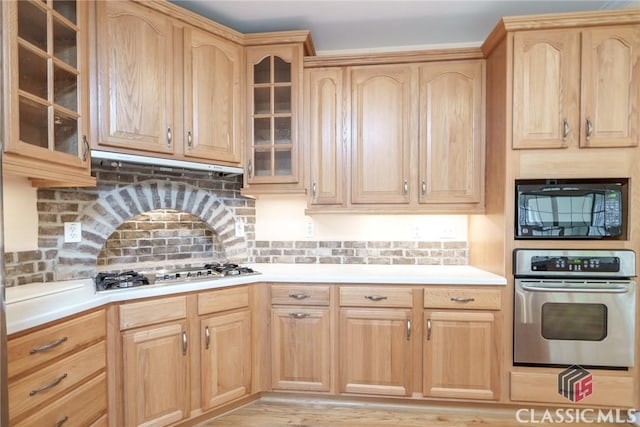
point(324, 92)
point(381, 119)
point(212, 96)
point(274, 99)
point(45, 92)
point(135, 78)
point(165, 88)
point(451, 150)
point(404, 138)
point(576, 87)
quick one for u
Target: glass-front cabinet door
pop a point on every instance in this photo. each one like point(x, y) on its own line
point(273, 92)
point(45, 80)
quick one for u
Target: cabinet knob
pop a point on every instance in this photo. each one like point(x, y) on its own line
point(589, 128)
point(85, 150)
point(565, 130)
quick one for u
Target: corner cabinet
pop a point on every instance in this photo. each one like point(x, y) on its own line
point(274, 100)
point(577, 87)
point(45, 87)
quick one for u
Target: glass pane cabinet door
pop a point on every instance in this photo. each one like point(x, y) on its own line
point(48, 104)
point(272, 120)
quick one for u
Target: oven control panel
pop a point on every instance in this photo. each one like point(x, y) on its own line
point(600, 264)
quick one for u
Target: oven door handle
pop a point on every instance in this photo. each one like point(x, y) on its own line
point(611, 290)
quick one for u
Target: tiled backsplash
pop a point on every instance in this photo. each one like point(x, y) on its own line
point(361, 252)
point(150, 217)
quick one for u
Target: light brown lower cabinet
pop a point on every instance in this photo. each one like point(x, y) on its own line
point(225, 358)
point(375, 351)
point(301, 348)
point(460, 354)
point(156, 374)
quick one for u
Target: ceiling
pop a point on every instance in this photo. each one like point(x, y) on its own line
point(359, 25)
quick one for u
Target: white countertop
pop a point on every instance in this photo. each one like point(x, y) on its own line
point(34, 304)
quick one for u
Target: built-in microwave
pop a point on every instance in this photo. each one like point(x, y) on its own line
point(562, 209)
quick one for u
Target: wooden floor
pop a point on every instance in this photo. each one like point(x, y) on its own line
point(277, 412)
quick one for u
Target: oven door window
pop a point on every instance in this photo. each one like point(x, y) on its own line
point(571, 321)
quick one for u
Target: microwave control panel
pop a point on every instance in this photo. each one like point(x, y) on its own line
point(600, 264)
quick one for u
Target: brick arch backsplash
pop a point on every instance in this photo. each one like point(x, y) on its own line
point(102, 217)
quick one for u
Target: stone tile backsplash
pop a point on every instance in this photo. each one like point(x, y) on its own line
point(361, 252)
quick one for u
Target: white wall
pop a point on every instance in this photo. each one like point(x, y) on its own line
point(279, 218)
point(20, 215)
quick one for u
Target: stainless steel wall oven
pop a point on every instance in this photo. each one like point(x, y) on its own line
point(574, 307)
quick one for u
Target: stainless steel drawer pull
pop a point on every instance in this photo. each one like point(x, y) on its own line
point(85, 148)
point(184, 343)
point(424, 187)
point(565, 130)
point(169, 137)
point(375, 297)
point(299, 296)
point(189, 140)
point(48, 386)
point(589, 129)
point(408, 329)
point(207, 338)
point(299, 315)
point(405, 187)
point(49, 346)
point(462, 299)
point(61, 422)
point(314, 189)
point(428, 329)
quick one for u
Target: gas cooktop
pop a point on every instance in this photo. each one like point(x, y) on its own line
point(131, 279)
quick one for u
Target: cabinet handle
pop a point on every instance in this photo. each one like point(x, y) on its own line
point(48, 386)
point(184, 343)
point(462, 299)
point(169, 137)
point(589, 128)
point(314, 188)
point(405, 187)
point(299, 296)
point(61, 422)
point(49, 346)
point(250, 169)
point(408, 329)
point(299, 315)
point(207, 338)
point(85, 146)
point(428, 329)
point(189, 139)
point(565, 131)
point(424, 187)
point(375, 297)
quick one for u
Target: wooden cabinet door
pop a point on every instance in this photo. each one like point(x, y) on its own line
point(325, 115)
point(225, 358)
point(451, 132)
point(461, 350)
point(135, 77)
point(301, 348)
point(610, 107)
point(212, 97)
point(546, 69)
point(381, 122)
point(375, 351)
point(155, 375)
point(274, 100)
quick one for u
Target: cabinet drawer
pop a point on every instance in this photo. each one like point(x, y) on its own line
point(300, 295)
point(36, 348)
point(150, 312)
point(81, 407)
point(376, 296)
point(462, 298)
point(223, 299)
point(54, 379)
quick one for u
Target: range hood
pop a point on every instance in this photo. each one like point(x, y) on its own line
point(162, 162)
